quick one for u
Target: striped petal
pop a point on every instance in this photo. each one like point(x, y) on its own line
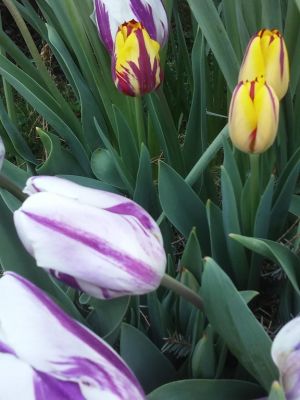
point(109, 15)
point(69, 361)
point(286, 355)
point(253, 116)
point(2, 153)
point(106, 252)
point(96, 198)
point(136, 65)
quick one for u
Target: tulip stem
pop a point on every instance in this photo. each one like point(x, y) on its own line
point(8, 185)
point(183, 291)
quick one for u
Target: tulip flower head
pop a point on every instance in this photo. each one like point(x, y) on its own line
point(286, 355)
point(2, 153)
point(45, 355)
point(133, 31)
point(136, 66)
point(99, 242)
point(267, 55)
point(253, 116)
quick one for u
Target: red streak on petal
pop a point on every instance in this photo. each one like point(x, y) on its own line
point(252, 90)
point(272, 100)
point(281, 57)
point(271, 39)
point(252, 140)
point(234, 97)
point(260, 33)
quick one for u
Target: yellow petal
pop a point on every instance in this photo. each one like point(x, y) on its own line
point(277, 66)
point(266, 106)
point(253, 64)
point(242, 117)
point(136, 64)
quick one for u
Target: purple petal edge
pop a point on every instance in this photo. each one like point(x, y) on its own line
point(78, 330)
point(133, 267)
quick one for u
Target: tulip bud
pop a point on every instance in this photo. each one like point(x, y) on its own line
point(99, 242)
point(44, 354)
point(286, 355)
point(136, 66)
point(110, 14)
point(267, 55)
point(253, 116)
point(2, 153)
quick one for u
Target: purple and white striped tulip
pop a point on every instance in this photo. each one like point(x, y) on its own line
point(286, 355)
point(45, 355)
point(111, 14)
point(2, 152)
point(100, 242)
point(133, 31)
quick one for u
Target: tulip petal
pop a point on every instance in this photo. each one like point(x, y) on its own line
point(253, 65)
point(59, 348)
point(242, 118)
point(103, 248)
point(97, 198)
point(267, 108)
point(17, 379)
point(286, 355)
point(111, 14)
point(136, 66)
point(277, 66)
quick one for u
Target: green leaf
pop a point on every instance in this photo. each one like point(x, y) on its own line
point(195, 140)
point(45, 104)
point(127, 143)
point(276, 252)
point(144, 192)
point(283, 194)
point(207, 389)
point(59, 160)
point(165, 129)
point(210, 23)
point(219, 250)
point(204, 357)
point(104, 167)
point(182, 206)
point(106, 317)
point(148, 364)
point(232, 225)
point(192, 257)
point(20, 145)
point(229, 315)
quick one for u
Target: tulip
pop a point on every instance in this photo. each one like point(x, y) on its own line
point(136, 66)
point(253, 116)
point(111, 15)
point(2, 152)
point(44, 354)
point(133, 32)
point(286, 355)
point(267, 55)
point(99, 242)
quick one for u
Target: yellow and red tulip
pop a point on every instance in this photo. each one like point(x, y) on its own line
point(133, 32)
point(266, 55)
point(253, 116)
point(136, 67)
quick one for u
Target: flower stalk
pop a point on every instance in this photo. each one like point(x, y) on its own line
point(183, 291)
point(8, 185)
